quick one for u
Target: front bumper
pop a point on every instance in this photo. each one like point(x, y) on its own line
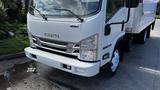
point(70, 65)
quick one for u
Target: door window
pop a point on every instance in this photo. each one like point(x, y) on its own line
point(112, 7)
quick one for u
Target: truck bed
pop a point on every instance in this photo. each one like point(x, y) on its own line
point(142, 16)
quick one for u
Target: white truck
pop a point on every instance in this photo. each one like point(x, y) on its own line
point(84, 36)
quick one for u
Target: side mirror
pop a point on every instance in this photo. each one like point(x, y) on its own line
point(107, 30)
point(132, 3)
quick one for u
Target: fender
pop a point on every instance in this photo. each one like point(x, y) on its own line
point(113, 44)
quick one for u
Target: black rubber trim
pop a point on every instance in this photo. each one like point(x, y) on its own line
point(90, 61)
point(107, 46)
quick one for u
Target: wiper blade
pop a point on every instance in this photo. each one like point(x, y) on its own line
point(81, 20)
point(43, 16)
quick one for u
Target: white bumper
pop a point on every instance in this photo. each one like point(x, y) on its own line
point(75, 66)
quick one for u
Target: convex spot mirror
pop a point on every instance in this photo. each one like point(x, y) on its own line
point(132, 3)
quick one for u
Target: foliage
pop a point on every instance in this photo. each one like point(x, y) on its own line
point(6, 27)
point(14, 10)
point(13, 45)
point(158, 16)
point(13, 27)
point(11, 39)
point(1, 12)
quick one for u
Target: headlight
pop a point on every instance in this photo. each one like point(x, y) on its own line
point(88, 48)
point(32, 45)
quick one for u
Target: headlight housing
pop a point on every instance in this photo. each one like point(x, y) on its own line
point(88, 48)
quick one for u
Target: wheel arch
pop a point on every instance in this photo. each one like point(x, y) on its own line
point(118, 42)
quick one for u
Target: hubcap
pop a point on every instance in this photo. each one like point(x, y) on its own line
point(115, 61)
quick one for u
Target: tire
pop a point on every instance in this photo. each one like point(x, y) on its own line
point(141, 37)
point(148, 32)
point(114, 63)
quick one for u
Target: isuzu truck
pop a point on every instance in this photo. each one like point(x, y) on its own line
point(83, 37)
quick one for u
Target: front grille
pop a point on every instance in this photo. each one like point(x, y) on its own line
point(57, 46)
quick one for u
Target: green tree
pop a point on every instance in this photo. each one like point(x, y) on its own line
point(13, 9)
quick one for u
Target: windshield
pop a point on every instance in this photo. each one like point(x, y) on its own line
point(78, 7)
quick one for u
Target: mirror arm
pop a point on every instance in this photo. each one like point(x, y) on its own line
point(123, 22)
point(128, 16)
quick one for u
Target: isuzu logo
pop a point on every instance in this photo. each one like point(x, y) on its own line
point(51, 35)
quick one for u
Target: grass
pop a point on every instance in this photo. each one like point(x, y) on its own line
point(13, 45)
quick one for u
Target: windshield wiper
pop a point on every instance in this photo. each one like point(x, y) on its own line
point(81, 20)
point(43, 16)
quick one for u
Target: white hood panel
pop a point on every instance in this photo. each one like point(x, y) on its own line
point(56, 30)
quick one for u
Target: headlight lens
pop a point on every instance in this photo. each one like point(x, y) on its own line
point(88, 48)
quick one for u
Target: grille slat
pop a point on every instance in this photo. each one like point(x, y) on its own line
point(57, 46)
point(52, 44)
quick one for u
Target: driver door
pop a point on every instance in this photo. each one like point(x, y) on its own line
point(115, 12)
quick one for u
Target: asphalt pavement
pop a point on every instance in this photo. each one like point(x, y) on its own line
point(140, 70)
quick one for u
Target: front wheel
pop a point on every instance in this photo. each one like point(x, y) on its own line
point(114, 63)
point(148, 32)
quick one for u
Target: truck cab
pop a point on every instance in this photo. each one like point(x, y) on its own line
point(79, 36)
